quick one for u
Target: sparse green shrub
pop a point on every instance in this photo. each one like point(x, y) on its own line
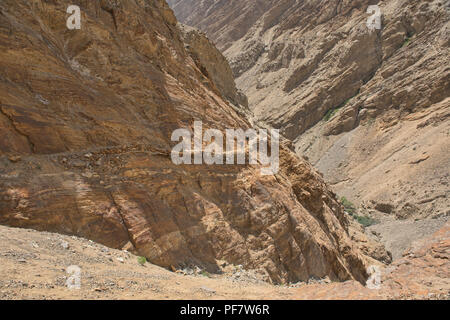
point(332, 112)
point(348, 206)
point(365, 221)
point(142, 260)
point(407, 41)
point(205, 273)
point(351, 209)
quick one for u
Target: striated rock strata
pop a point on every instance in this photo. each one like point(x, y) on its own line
point(214, 66)
point(85, 125)
point(368, 108)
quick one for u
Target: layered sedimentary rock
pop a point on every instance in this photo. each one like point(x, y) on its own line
point(85, 125)
point(226, 21)
point(369, 108)
point(214, 66)
point(31, 268)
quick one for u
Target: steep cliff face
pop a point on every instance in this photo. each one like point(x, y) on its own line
point(226, 21)
point(214, 66)
point(85, 125)
point(369, 108)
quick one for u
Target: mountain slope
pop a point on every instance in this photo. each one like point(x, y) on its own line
point(368, 108)
point(86, 120)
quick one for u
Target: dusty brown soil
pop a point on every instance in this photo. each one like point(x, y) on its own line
point(33, 265)
point(399, 235)
point(88, 117)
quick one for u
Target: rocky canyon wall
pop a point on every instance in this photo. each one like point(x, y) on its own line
point(86, 118)
point(369, 108)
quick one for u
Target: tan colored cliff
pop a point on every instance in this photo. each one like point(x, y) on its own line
point(369, 109)
point(214, 66)
point(85, 125)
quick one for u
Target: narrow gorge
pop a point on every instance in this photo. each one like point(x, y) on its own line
point(87, 118)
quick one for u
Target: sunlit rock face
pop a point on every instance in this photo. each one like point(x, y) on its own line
point(85, 125)
point(368, 107)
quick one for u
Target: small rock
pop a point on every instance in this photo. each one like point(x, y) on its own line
point(197, 270)
point(121, 260)
point(65, 245)
point(15, 159)
point(384, 207)
point(419, 160)
point(188, 271)
point(87, 175)
point(208, 290)
point(42, 99)
point(78, 164)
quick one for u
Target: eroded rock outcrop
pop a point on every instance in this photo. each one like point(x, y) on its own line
point(214, 65)
point(369, 108)
point(85, 125)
